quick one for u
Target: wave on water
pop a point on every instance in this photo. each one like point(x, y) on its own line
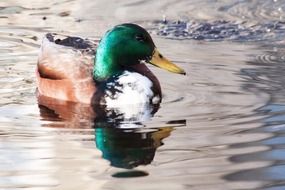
point(219, 30)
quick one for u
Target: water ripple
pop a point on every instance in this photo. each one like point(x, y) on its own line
point(223, 121)
point(219, 30)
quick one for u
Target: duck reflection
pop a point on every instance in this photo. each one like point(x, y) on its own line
point(129, 148)
point(121, 137)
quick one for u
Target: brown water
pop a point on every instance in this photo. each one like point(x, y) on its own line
point(221, 126)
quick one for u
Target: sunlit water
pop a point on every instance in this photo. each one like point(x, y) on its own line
point(221, 126)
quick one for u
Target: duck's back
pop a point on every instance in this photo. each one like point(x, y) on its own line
point(64, 68)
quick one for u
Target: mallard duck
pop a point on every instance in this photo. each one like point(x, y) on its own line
point(111, 72)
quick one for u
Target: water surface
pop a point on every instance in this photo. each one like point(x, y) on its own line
point(219, 127)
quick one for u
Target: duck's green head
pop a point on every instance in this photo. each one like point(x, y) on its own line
point(123, 47)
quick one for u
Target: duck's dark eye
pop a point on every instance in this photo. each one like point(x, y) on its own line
point(140, 38)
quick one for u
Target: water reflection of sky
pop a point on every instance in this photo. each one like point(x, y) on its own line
point(223, 122)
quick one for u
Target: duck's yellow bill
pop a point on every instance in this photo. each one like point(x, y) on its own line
point(161, 62)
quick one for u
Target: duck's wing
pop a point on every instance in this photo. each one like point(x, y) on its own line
point(64, 57)
point(64, 69)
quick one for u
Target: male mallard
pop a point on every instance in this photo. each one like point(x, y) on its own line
point(67, 69)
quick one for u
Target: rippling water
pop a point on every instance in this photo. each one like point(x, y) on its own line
point(221, 126)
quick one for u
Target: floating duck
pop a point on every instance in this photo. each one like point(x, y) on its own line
point(111, 72)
